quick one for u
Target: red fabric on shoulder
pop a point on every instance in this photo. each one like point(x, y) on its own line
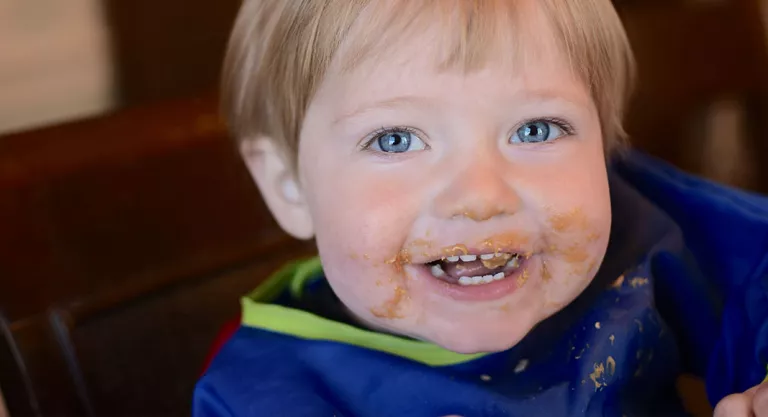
point(226, 333)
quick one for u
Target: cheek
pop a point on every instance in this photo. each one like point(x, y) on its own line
point(575, 224)
point(362, 223)
point(363, 215)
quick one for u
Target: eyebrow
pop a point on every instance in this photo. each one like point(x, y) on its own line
point(388, 103)
point(541, 95)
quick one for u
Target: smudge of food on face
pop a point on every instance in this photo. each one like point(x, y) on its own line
point(508, 241)
point(421, 243)
point(523, 278)
point(498, 244)
point(455, 250)
point(545, 274)
point(391, 308)
point(400, 260)
point(574, 219)
point(575, 254)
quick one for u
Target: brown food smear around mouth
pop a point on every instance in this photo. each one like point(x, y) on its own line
point(456, 250)
point(390, 309)
point(401, 259)
point(507, 240)
point(497, 261)
point(563, 222)
point(496, 244)
point(422, 243)
point(522, 279)
point(545, 275)
point(575, 254)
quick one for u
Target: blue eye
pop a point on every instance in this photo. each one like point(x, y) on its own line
point(396, 141)
point(539, 131)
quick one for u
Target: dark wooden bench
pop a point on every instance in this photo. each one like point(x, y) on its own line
point(126, 242)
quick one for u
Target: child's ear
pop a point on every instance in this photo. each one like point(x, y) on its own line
point(279, 186)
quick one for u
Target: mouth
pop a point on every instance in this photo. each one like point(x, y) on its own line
point(476, 269)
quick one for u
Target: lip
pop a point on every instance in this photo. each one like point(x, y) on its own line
point(486, 292)
point(460, 249)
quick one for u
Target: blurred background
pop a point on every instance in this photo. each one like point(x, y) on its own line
point(129, 228)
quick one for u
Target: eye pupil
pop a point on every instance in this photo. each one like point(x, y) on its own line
point(395, 142)
point(534, 132)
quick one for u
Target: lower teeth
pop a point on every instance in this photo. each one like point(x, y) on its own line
point(479, 280)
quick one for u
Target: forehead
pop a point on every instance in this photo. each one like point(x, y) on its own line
point(400, 48)
point(462, 35)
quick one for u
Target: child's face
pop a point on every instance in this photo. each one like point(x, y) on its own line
point(506, 162)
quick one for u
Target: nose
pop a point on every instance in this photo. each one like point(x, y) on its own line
point(478, 191)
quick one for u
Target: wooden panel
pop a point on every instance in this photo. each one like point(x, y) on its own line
point(169, 48)
point(141, 356)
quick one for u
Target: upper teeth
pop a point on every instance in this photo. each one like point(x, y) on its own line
point(471, 258)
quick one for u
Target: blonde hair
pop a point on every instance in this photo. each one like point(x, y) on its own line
point(280, 50)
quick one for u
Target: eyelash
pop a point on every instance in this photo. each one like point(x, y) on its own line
point(566, 127)
point(376, 135)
